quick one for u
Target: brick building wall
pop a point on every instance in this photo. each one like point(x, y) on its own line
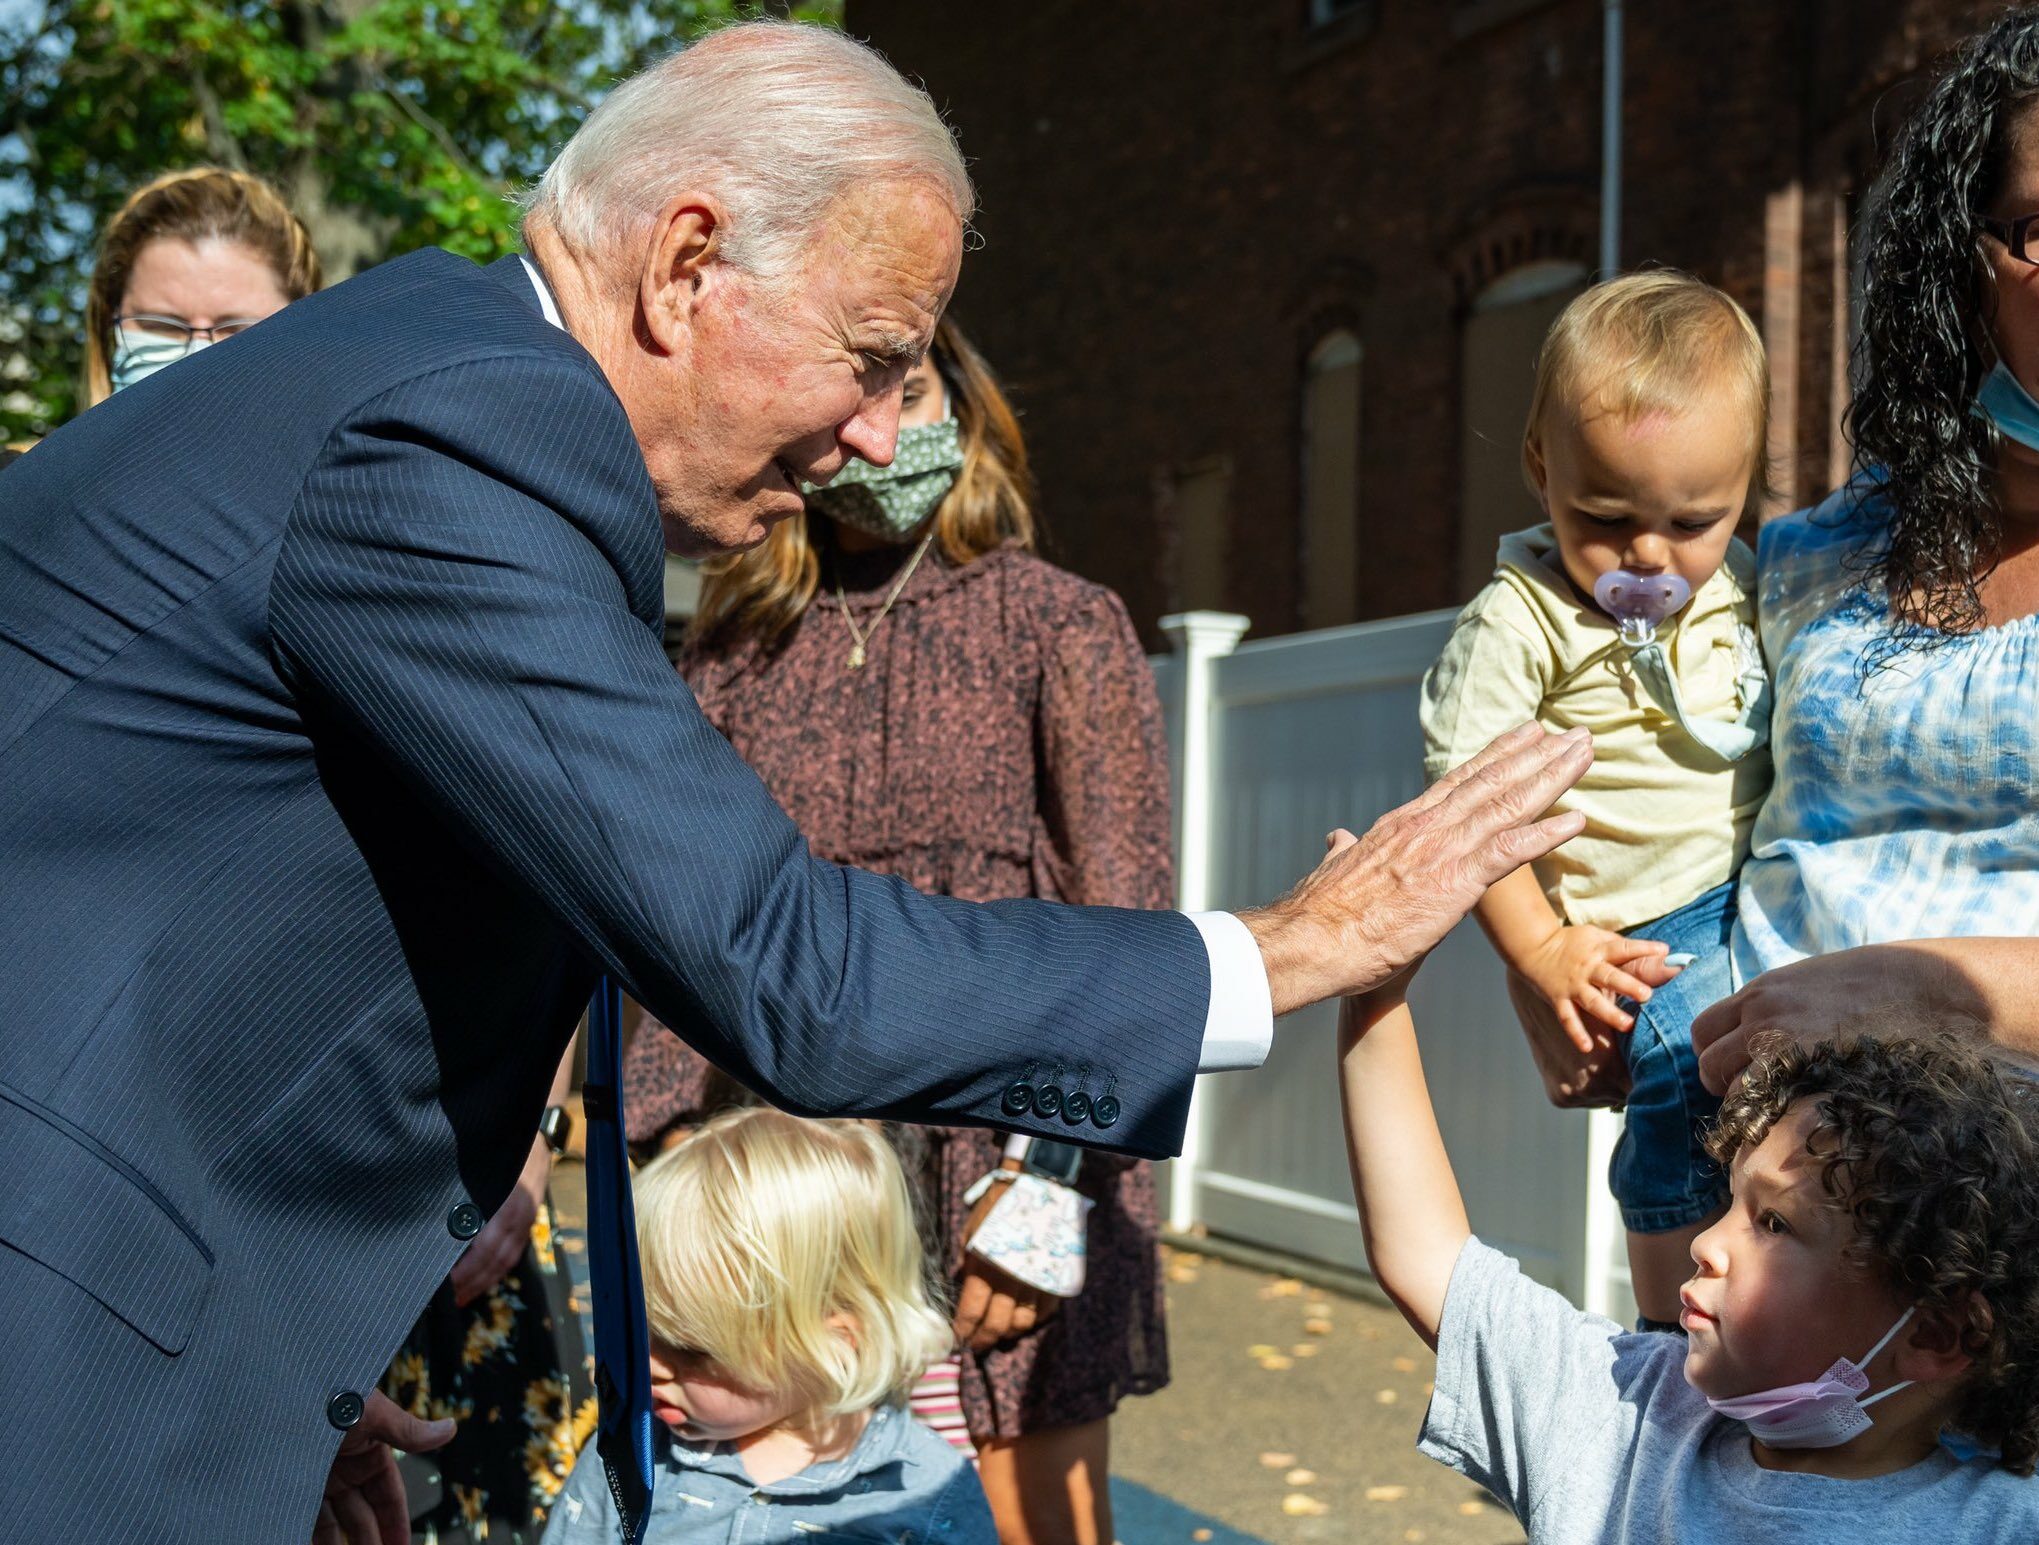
point(1181, 201)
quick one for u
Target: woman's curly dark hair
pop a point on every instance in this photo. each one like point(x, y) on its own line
point(1928, 301)
point(1932, 1148)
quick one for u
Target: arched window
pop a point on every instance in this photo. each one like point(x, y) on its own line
point(1497, 374)
point(1330, 549)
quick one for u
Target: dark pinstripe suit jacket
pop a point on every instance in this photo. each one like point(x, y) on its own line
point(337, 754)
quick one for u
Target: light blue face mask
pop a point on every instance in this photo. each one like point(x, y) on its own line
point(144, 356)
point(2004, 401)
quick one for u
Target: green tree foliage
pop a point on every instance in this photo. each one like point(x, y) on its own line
point(389, 124)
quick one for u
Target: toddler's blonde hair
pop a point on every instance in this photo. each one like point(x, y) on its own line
point(1653, 342)
point(763, 1235)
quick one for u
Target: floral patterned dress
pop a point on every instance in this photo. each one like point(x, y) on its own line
point(1003, 741)
point(511, 1370)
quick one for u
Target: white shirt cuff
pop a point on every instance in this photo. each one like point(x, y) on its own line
point(1239, 1029)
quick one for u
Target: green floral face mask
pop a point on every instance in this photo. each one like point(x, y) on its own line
point(893, 502)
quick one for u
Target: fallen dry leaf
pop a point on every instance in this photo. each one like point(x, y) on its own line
point(1386, 1493)
point(1277, 1461)
point(1274, 1362)
point(1261, 1350)
point(1319, 1309)
point(1405, 1365)
point(1200, 1535)
point(1317, 1327)
point(1386, 1397)
point(1297, 1505)
point(1412, 1535)
point(1472, 1509)
point(1285, 1287)
point(1303, 1349)
point(1301, 1477)
point(1181, 1274)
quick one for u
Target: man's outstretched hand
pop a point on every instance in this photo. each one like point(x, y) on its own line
point(1378, 905)
point(364, 1502)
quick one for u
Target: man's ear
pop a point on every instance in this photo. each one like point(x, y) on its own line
point(1941, 1344)
point(682, 256)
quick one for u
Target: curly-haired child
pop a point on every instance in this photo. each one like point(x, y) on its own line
point(790, 1313)
point(1872, 1289)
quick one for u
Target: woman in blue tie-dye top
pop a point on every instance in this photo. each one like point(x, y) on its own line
point(1894, 871)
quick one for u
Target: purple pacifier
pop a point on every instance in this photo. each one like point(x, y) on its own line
point(1638, 602)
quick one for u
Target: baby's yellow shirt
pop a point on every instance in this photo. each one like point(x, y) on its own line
point(1666, 819)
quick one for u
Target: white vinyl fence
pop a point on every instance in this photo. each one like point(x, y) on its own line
point(1274, 744)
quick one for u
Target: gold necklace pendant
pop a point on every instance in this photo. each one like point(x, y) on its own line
point(857, 635)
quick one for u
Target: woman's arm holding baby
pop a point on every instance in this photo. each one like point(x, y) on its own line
point(1410, 1210)
point(1987, 987)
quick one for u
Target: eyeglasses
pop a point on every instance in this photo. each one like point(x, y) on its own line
point(148, 328)
point(2012, 234)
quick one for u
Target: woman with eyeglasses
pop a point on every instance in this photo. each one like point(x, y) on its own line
point(191, 258)
point(1894, 875)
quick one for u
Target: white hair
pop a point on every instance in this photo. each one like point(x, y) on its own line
point(778, 119)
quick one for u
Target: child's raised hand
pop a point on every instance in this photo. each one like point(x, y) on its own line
point(1582, 970)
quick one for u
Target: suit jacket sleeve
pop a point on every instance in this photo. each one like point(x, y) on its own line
point(456, 587)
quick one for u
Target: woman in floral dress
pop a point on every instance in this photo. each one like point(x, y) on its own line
point(929, 698)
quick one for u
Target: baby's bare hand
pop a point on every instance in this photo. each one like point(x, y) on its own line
point(1582, 971)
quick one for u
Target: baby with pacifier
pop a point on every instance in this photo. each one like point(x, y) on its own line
point(1632, 613)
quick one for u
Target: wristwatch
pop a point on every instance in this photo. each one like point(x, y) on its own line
point(555, 1126)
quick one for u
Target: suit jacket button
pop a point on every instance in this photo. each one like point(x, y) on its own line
point(344, 1409)
point(1047, 1100)
point(464, 1221)
point(1076, 1108)
point(1104, 1110)
point(1019, 1099)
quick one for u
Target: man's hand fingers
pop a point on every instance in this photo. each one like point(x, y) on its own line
point(384, 1494)
point(327, 1530)
point(1520, 785)
point(485, 1263)
point(357, 1518)
point(1515, 846)
point(1499, 747)
point(383, 1420)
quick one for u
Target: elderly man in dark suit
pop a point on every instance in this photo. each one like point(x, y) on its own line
point(340, 756)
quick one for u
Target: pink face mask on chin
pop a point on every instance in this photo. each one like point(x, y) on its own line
point(1824, 1413)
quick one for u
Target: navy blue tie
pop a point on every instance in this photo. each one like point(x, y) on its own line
point(622, 1345)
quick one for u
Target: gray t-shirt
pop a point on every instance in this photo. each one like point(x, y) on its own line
point(1589, 1433)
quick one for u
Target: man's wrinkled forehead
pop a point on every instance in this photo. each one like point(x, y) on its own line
point(896, 250)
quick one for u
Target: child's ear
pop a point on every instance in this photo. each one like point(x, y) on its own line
point(1532, 467)
point(1941, 1343)
point(845, 1325)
